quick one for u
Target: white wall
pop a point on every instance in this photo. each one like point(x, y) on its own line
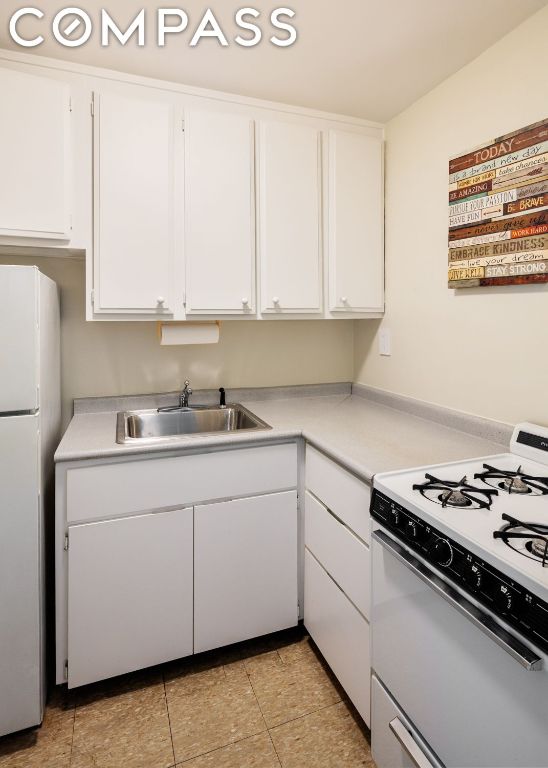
point(114, 358)
point(485, 350)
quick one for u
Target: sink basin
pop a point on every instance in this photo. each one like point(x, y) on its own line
point(152, 426)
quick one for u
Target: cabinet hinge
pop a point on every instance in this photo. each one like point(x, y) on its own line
point(184, 300)
point(70, 103)
point(66, 542)
point(92, 106)
point(183, 125)
point(92, 298)
point(65, 675)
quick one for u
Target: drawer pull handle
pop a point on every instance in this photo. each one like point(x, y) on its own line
point(408, 744)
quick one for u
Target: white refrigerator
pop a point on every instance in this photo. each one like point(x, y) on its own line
point(30, 411)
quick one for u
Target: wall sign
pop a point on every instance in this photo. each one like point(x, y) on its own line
point(498, 211)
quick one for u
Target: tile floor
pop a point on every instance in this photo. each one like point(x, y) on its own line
point(263, 704)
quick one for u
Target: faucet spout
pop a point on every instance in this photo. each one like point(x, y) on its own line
point(185, 394)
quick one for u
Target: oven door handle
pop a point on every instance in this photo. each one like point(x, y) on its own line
point(408, 744)
point(514, 647)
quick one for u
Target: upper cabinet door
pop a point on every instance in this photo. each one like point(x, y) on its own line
point(34, 157)
point(219, 213)
point(289, 218)
point(355, 223)
point(135, 233)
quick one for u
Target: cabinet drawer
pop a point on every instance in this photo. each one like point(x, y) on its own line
point(340, 632)
point(341, 492)
point(393, 739)
point(341, 553)
point(114, 490)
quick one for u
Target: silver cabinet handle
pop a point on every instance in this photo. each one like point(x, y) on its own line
point(409, 744)
point(514, 647)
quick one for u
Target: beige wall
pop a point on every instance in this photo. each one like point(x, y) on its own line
point(125, 358)
point(484, 351)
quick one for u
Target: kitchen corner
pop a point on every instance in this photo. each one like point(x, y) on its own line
point(356, 431)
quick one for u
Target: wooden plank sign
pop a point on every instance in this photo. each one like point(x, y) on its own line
point(498, 211)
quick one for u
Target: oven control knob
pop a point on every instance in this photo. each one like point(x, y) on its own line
point(503, 598)
point(473, 576)
point(442, 552)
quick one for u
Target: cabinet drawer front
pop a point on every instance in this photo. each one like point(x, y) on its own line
point(341, 553)
point(341, 492)
point(392, 736)
point(114, 490)
point(341, 634)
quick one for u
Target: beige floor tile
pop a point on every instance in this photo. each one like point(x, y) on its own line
point(45, 747)
point(302, 648)
point(129, 728)
point(212, 712)
point(286, 691)
point(255, 752)
point(262, 662)
point(330, 738)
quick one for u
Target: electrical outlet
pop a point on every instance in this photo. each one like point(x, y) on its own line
point(385, 344)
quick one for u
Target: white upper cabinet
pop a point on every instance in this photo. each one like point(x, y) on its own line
point(219, 213)
point(35, 149)
point(289, 219)
point(135, 166)
point(355, 222)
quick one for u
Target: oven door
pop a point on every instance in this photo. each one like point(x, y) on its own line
point(476, 693)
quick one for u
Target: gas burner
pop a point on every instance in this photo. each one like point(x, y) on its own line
point(513, 482)
point(528, 539)
point(459, 495)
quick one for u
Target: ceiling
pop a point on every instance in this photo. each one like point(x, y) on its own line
point(367, 58)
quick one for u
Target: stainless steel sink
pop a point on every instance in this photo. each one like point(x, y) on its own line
point(167, 425)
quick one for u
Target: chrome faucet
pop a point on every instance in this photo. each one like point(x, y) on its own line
point(185, 394)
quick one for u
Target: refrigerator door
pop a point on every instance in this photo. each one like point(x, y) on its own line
point(21, 581)
point(18, 339)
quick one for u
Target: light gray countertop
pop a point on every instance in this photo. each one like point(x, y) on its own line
point(361, 434)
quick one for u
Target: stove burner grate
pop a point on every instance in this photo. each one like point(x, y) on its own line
point(456, 494)
point(513, 482)
point(532, 536)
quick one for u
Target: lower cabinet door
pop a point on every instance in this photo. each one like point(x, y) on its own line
point(245, 572)
point(340, 632)
point(130, 594)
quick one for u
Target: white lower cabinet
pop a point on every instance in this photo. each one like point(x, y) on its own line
point(337, 573)
point(340, 632)
point(340, 552)
point(130, 596)
point(214, 564)
point(245, 573)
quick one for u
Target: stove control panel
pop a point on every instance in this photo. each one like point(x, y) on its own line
point(506, 598)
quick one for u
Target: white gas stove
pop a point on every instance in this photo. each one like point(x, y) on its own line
point(460, 607)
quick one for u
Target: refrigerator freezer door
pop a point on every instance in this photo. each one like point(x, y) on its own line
point(21, 562)
point(18, 339)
